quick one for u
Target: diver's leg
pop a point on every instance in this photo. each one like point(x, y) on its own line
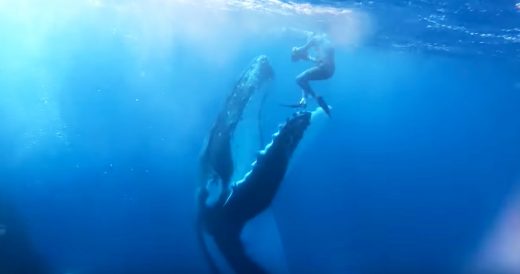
point(303, 81)
point(315, 73)
point(312, 74)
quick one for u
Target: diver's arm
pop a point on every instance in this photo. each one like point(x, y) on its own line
point(312, 42)
point(302, 53)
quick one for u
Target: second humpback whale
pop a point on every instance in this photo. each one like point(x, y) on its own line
point(241, 201)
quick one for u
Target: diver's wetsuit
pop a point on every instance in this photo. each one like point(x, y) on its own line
point(321, 71)
point(324, 62)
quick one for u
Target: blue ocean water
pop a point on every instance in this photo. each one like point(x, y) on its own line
point(105, 106)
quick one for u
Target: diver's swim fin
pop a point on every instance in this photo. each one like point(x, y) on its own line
point(323, 105)
point(293, 105)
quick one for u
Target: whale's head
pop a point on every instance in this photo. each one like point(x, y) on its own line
point(293, 131)
point(262, 68)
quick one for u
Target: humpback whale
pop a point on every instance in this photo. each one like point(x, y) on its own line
point(241, 201)
point(216, 161)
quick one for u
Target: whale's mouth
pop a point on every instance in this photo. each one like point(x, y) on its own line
point(292, 132)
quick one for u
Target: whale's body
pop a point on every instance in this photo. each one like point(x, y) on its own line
point(240, 202)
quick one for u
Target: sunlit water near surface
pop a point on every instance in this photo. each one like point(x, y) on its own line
point(105, 106)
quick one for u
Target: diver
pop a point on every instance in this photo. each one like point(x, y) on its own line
point(324, 67)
